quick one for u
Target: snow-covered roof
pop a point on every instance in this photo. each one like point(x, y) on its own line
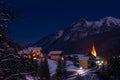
point(24, 51)
point(34, 48)
point(98, 57)
point(55, 52)
point(83, 57)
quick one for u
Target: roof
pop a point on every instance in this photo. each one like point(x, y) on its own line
point(34, 48)
point(98, 57)
point(55, 52)
point(83, 57)
point(90, 54)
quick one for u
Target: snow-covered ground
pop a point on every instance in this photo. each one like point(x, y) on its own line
point(70, 66)
point(85, 73)
point(52, 66)
point(29, 77)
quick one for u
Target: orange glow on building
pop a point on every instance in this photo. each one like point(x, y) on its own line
point(37, 53)
point(93, 50)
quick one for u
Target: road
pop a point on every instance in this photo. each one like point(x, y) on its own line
point(83, 73)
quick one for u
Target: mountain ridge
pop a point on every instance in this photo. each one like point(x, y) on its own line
point(77, 32)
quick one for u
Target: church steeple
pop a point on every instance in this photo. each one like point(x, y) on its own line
point(93, 50)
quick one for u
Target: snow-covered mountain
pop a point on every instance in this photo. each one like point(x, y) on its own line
point(79, 36)
point(83, 28)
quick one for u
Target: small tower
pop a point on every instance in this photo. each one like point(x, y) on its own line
point(93, 50)
point(92, 57)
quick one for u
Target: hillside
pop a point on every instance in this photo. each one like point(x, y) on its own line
point(79, 37)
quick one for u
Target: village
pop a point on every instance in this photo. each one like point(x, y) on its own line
point(59, 40)
point(77, 64)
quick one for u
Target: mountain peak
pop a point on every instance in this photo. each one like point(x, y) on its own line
point(111, 21)
point(79, 36)
point(111, 18)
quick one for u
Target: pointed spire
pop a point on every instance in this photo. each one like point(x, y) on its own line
point(94, 50)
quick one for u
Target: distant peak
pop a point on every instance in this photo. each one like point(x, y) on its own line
point(109, 20)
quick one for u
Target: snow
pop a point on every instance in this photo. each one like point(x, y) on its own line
point(24, 51)
point(110, 19)
point(15, 56)
point(3, 60)
point(83, 57)
point(17, 75)
point(10, 49)
point(69, 62)
point(97, 24)
point(55, 52)
point(29, 77)
point(66, 38)
point(88, 23)
point(34, 48)
point(75, 32)
point(52, 66)
point(70, 66)
point(0, 35)
point(92, 27)
point(59, 34)
point(5, 44)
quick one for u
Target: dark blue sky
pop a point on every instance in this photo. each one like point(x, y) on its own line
point(43, 17)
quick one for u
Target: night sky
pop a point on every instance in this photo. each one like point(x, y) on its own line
point(43, 17)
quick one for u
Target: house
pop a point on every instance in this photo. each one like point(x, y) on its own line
point(36, 51)
point(87, 61)
point(83, 61)
point(32, 53)
point(55, 55)
point(91, 59)
point(24, 51)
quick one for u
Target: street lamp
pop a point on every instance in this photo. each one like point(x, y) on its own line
point(80, 71)
point(81, 68)
point(99, 63)
point(62, 58)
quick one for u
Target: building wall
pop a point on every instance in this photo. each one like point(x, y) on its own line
point(36, 51)
point(105, 62)
point(83, 63)
point(55, 56)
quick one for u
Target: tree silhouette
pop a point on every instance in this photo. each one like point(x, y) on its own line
point(61, 70)
point(114, 67)
point(44, 70)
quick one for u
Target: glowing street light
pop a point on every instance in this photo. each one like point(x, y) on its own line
point(81, 68)
point(80, 71)
point(62, 58)
point(99, 62)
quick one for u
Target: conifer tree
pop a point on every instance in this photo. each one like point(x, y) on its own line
point(61, 70)
point(44, 70)
point(114, 67)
